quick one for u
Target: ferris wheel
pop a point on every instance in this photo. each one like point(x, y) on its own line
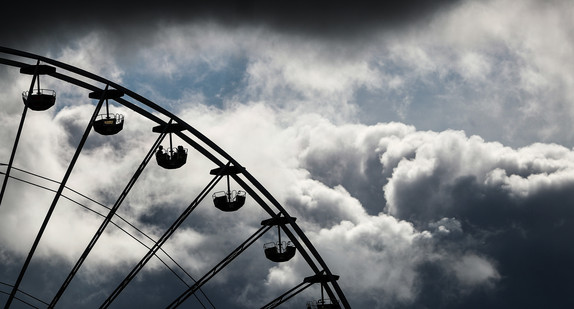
point(176, 144)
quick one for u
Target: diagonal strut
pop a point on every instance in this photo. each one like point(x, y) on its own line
point(53, 205)
point(162, 240)
point(105, 223)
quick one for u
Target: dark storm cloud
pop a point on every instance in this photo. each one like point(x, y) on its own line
point(526, 238)
point(436, 219)
point(514, 207)
point(500, 218)
point(56, 22)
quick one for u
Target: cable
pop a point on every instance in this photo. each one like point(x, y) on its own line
point(27, 294)
point(113, 223)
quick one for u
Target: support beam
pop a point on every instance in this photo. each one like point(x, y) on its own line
point(53, 206)
point(107, 220)
point(210, 274)
point(16, 141)
point(287, 295)
point(161, 241)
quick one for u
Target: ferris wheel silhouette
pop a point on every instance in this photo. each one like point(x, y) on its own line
point(240, 186)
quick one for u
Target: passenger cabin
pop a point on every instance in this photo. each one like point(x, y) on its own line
point(279, 251)
point(108, 124)
point(229, 200)
point(38, 99)
point(323, 304)
point(170, 157)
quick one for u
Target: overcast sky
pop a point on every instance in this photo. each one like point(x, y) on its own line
point(425, 149)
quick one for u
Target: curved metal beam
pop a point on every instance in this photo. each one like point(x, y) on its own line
point(202, 138)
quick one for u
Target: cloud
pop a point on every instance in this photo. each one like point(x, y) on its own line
point(403, 161)
point(473, 269)
point(480, 64)
point(488, 77)
point(443, 184)
point(122, 21)
point(387, 205)
point(427, 212)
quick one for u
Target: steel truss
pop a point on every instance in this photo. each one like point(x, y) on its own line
point(201, 144)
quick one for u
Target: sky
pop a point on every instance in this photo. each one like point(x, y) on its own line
point(424, 148)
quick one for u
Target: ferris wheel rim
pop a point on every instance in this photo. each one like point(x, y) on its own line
point(220, 158)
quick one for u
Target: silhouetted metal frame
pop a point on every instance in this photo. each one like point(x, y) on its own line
point(31, 183)
point(16, 140)
point(167, 234)
point(288, 295)
point(22, 300)
point(53, 205)
point(210, 274)
point(107, 220)
point(313, 258)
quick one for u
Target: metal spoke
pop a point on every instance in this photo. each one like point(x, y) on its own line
point(16, 141)
point(105, 223)
point(53, 206)
point(113, 223)
point(162, 240)
point(210, 274)
point(287, 295)
point(27, 294)
point(204, 146)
